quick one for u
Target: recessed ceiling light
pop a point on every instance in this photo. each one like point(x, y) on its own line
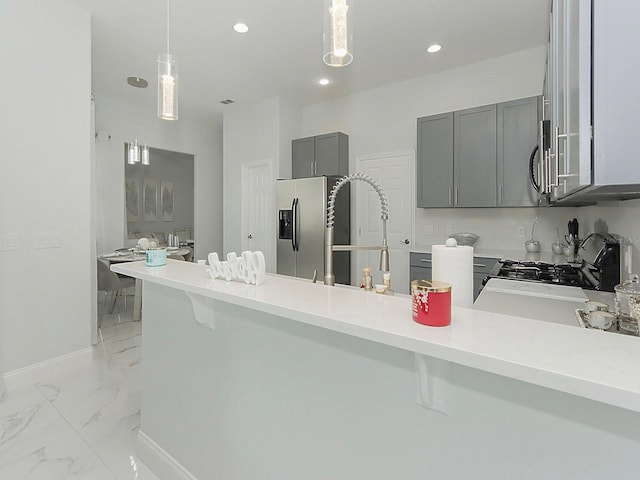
point(324, 81)
point(241, 28)
point(434, 48)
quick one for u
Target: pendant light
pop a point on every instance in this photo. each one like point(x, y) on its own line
point(167, 82)
point(144, 154)
point(137, 153)
point(338, 33)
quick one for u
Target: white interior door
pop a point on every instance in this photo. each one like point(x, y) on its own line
point(394, 172)
point(258, 211)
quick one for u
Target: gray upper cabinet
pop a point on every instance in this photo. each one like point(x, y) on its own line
point(477, 157)
point(517, 138)
point(302, 157)
point(474, 157)
point(435, 161)
point(593, 95)
point(320, 155)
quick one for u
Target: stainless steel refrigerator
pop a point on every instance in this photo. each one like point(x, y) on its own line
point(302, 215)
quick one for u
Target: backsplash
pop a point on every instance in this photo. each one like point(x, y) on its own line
point(498, 228)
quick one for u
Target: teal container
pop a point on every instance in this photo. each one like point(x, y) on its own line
point(156, 257)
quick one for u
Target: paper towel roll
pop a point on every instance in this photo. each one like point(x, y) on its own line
point(454, 265)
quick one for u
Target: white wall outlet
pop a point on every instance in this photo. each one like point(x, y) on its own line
point(48, 240)
point(9, 241)
point(428, 229)
point(520, 231)
point(449, 230)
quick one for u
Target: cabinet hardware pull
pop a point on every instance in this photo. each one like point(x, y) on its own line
point(425, 260)
point(481, 265)
point(449, 195)
point(455, 196)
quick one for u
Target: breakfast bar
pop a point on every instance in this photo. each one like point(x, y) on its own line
point(292, 379)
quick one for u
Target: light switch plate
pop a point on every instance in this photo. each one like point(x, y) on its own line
point(9, 241)
point(48, 240)
point(520, 231)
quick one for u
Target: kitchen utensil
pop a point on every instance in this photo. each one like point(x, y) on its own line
point(628, 304)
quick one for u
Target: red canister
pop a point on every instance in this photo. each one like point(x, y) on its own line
point(431, 302)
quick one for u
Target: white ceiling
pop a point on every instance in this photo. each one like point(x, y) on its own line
point(282, 53)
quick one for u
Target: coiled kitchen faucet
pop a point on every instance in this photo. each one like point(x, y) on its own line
point(329, 247)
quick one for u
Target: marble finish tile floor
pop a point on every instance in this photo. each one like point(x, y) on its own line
point(80, 423)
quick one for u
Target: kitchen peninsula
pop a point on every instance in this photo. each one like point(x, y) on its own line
point(292, 379)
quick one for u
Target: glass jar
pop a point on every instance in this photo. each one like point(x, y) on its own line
point(628, 304)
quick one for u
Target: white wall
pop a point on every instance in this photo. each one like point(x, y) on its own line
point(45, 293)
point(114, 126)
point(384, 120)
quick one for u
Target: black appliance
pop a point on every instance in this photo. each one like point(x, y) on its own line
point(599, 268)
point(600, 253)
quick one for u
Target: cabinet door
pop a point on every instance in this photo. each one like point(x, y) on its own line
point(571, 27)
point(302, 157)
point(331, 154)
point(474, 157)
point(435, 161)
point(517, 137)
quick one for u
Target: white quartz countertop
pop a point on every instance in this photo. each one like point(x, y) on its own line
point(589, 363)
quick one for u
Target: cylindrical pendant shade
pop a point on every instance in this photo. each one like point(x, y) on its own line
point(144, 154)
point(338, 33)
point(133, 153)
point(167, 87)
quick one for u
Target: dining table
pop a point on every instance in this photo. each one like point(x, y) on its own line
point(134, 254)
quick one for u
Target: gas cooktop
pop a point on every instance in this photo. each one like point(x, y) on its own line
point(543, 272)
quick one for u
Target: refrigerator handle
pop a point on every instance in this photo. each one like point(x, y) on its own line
point(294, 236)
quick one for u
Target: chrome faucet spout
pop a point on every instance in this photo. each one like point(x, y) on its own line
point(329, 247)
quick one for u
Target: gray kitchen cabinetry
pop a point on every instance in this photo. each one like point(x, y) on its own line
point(517, 137)
point(320, 155)
point(420, 269)
point(474, 157)
point(434, 168)
point(478, 157)
point(593, 95)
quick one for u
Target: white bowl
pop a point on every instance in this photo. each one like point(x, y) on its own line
point(380, 288)
point(465, 238)
point(532, 246)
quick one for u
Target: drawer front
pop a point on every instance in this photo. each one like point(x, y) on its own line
point(417, 259)
point(483, 264)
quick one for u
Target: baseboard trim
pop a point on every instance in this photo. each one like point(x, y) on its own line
point(32, 374)
point(159, 461)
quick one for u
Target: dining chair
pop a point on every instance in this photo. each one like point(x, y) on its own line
point(111, 282)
